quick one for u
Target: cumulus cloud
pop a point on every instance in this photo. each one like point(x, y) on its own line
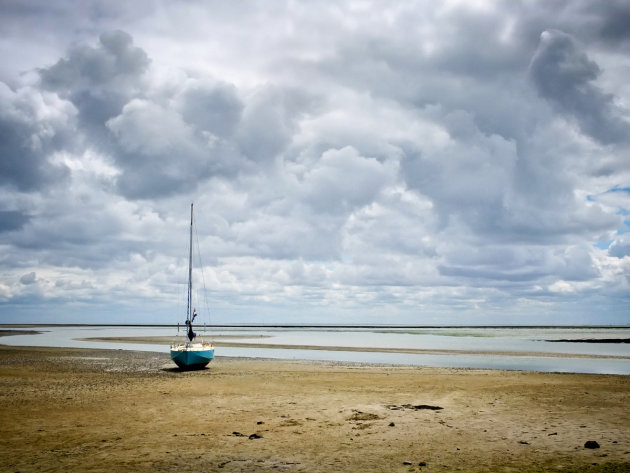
point(620, 247)
point(213, 108)
point(157, 152)
point(163, 141)
point(468, 175)
point(98, 80)
point(29, 278)
point(33, 126)
point(343, 180)
point(408, 161)
point(269, 123)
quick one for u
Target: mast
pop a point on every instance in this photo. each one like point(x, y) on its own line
point(189, 309)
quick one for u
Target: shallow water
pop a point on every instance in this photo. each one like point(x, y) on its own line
point(471, 339)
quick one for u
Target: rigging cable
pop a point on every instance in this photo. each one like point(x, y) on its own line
point(203, 278)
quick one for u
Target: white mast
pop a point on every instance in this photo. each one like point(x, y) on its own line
point(189, 309)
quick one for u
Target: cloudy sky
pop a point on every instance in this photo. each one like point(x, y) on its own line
point(411, 162)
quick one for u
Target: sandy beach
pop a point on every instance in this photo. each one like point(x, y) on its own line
point(107, 410)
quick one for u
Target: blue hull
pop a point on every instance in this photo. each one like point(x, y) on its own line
point(192, 359)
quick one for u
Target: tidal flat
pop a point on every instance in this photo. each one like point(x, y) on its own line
point(64, 409)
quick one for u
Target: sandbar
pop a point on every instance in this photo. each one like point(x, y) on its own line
point(228, 341)
point(8, 333)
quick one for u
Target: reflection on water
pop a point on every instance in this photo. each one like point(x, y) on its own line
point(525, 340)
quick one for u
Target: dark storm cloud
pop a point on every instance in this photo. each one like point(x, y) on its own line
point(610, 20)
point(116, 59)
point(475, 59)
point(466, 60)
point(98, 80)
point(565, 76)
point(11, 220)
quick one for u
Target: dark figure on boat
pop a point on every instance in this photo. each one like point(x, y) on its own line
point(191, 334)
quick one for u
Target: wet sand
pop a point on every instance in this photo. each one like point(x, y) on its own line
point(110, 410)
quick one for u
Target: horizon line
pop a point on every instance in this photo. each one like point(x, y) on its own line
point(307, 325)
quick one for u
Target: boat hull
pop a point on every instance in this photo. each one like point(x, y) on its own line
point(192, 358)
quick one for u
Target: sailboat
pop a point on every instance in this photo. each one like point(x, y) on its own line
point(191, 354)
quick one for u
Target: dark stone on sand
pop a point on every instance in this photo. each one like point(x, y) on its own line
point(417, 407)
point(260, 422)
point(422, 464)
point(523, 442)
point(391, 424)
point(591, 444)
point(237, 434)
point(407, 463)
point(255, 436)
